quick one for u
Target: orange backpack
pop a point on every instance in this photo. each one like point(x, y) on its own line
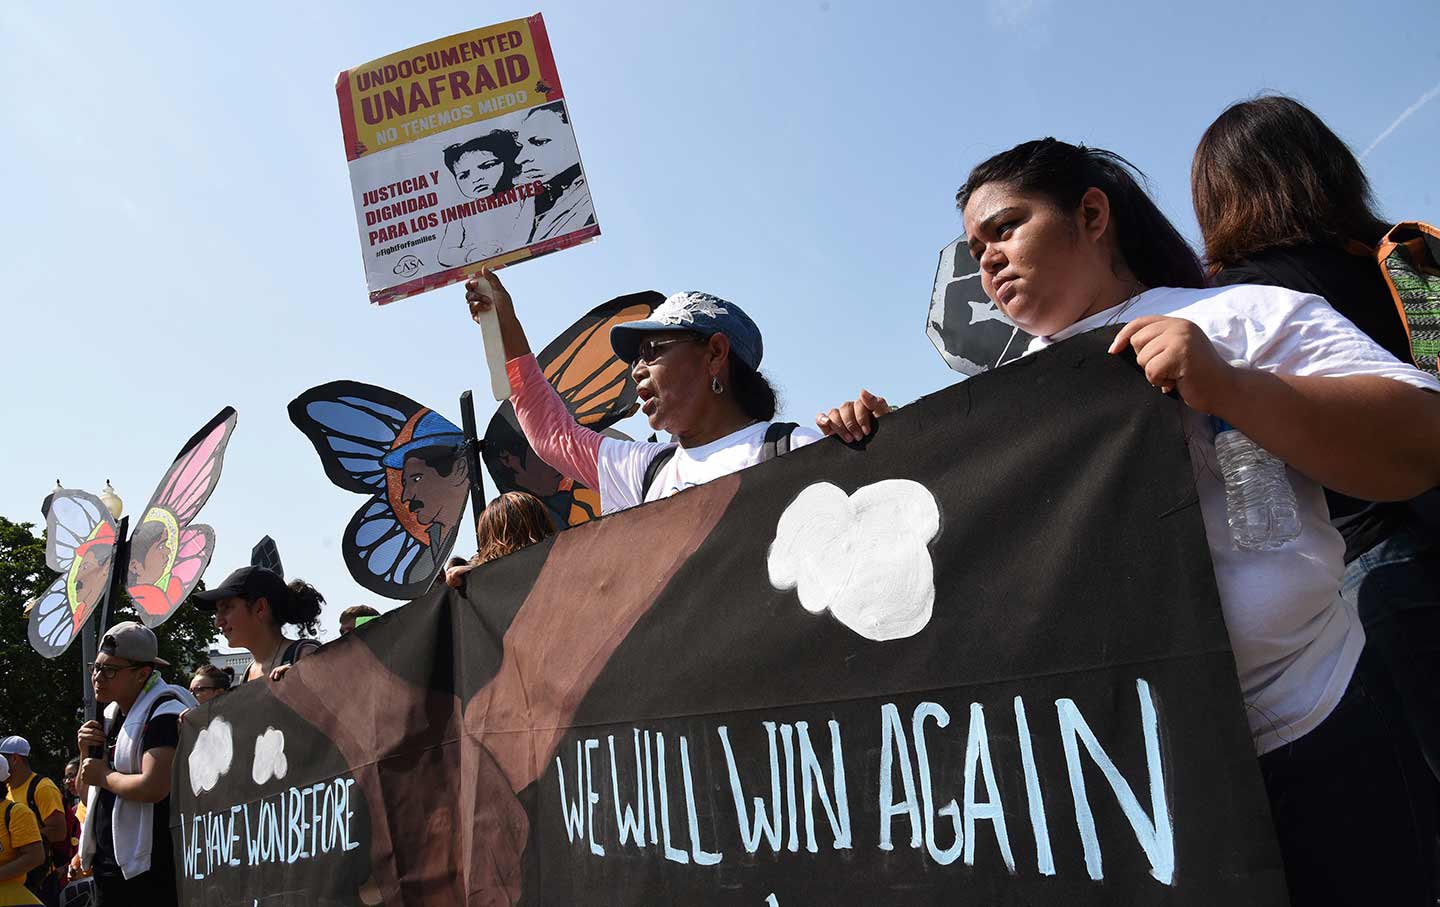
point(1409, 257)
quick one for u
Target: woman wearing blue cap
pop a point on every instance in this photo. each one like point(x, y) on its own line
point(695, 362)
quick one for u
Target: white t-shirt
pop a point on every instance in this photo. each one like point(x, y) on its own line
point(1295, 640)
point(622, 464)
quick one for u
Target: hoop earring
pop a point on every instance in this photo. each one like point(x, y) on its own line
point(715, 385)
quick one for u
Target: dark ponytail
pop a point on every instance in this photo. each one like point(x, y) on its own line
point(1149, 244)
point(752, 391)
point(300, 608)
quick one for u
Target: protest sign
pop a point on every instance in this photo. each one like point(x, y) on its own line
point(461, 154)
point(979, 659)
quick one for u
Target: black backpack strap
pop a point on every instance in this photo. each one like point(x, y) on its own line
point(292, 651)
point(777, 440)
point(653, 470)
point(38, 874)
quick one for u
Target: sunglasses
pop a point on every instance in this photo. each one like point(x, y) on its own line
point(650, 350)
point(109, 671)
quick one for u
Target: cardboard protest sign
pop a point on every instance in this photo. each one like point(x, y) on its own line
point(969, 330)
point(461, 154)
point(980, 659)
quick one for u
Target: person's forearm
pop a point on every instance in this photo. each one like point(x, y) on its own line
point(569, 448)
point(142, 788)
point(29, 857)
point(512, 334)
point(54, 828)
point(1366, 436)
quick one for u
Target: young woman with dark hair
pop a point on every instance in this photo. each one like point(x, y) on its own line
point(1068, 242)
point(1282, 201)
point(695, 362)
point(252, 608)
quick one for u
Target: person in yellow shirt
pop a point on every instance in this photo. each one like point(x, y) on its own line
point(43, 798)
point(20, 848)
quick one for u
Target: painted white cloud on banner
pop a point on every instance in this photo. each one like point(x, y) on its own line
point(211, 756)
point(862, 557)
point(269, 757)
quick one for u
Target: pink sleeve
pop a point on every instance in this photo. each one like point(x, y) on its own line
point(569, 448)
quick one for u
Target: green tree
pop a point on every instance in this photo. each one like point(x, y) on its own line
point(43, 700)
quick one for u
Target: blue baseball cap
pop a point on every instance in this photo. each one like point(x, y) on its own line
point(702, 313)
point(433, 430)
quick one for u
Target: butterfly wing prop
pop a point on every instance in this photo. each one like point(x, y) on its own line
point(595, 385)
point(167, 554)
point(80, 546)
point(409, 460)
point(597, 389)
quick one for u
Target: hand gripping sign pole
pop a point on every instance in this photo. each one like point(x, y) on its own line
point(489, 323)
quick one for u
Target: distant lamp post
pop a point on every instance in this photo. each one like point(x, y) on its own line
point(111, 500)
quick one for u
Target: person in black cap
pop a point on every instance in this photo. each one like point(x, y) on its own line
point(695, 362)
point(252, 607)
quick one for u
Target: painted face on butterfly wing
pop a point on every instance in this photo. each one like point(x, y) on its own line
point(93, 575)
point(434, 494)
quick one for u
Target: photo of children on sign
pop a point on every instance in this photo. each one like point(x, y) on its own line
point(461, 154)
point(522, 184)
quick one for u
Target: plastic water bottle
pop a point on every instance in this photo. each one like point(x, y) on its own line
point(1259, 502)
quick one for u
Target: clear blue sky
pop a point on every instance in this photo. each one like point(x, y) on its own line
point(179, 232)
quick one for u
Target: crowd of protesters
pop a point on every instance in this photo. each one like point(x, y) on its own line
point(1285, 330)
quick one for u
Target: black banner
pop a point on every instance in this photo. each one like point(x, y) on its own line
point(978, 659)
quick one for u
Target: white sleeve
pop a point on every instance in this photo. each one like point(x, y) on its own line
point(802, 436)
point(621, 466)
point(1315, 340)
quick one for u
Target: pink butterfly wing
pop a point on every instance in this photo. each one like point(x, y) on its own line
point(193, 476)
point(185, 488)
point(197, 543)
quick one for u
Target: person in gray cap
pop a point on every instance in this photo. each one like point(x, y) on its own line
point(696, 364)
point(125, 841)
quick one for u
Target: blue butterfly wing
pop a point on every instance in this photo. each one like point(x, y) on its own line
point(385, 558)
point(351, 426)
